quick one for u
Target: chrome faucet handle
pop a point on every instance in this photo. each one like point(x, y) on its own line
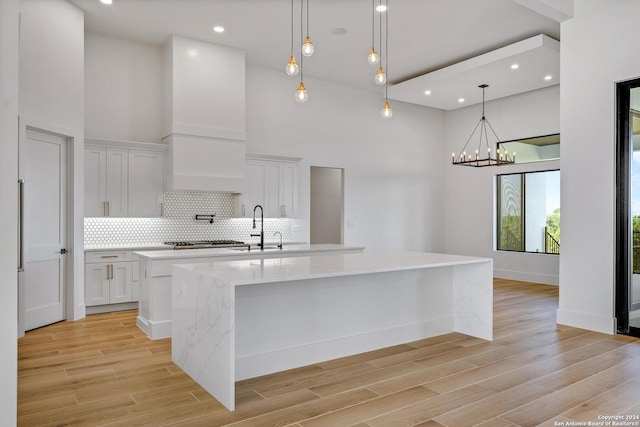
point(279, 233)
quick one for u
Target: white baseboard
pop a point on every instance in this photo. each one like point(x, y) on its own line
point(255, 365)
point(107, 308)
point(154, 330)
point(605, 325)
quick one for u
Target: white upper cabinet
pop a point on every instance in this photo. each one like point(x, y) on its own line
point(105, 181)
point(117, 190)
point(146, 183)
point(95, 181)
point(123, 182)
point(271, 182)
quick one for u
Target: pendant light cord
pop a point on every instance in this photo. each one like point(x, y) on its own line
point(373, 23)
point(386, 48)
point(291, 27)
point(380, 30)
point(307, 18)
point(301, 41)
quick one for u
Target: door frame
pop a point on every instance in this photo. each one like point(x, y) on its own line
point(623, 230)
point(74, 263)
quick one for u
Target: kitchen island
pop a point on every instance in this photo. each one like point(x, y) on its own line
point(241, 319)
point(154, 305)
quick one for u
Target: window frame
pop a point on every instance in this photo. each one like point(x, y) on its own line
point(523, 204)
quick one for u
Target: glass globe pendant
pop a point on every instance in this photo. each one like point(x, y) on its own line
point(292, 67)
point(301, 94)
point(307, 47)
point(373, 57)
point(381, 78)
point(386, 112)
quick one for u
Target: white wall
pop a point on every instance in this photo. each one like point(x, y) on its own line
point(392, 168)
point(52, 98)
point(123, 96)
point(469, 201)
point(8, 220)
point(599, 48)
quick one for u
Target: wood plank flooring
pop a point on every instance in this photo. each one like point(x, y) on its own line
point(103, 371)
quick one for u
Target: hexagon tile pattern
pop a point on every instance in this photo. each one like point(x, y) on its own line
point(179, 223)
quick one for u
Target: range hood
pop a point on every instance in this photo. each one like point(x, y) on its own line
point(204, 116)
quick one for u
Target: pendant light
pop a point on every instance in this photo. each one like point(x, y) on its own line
point(307, 46)
point(301, 94)
point(386, 112)
point(292, 66)
point(499, 158)
point(381, 77)
point(373, 57)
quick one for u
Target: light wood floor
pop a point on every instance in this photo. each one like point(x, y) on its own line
point(102, 370)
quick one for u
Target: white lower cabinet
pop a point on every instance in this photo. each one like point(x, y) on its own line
point(111, 278)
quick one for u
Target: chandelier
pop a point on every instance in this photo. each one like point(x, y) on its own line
point(495, 158)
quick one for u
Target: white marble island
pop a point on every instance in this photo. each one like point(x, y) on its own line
point(154, 306)
point(241, 319)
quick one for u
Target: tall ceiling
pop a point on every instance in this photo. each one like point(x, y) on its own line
point(424, 35)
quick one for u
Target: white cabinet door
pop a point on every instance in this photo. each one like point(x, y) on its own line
point(121, 286)
point(273, 208)
point(117, 172)
point(96, 284)
point(289, 190)
point(95, 181)
point(256, 188)
point(146, 183)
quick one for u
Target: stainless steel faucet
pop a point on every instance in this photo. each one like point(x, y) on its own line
point(280, 245)
point(261, 235)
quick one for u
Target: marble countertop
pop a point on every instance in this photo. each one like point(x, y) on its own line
point(219, 252)
point(247, 272)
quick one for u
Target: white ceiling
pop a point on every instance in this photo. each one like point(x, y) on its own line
point(424, 35)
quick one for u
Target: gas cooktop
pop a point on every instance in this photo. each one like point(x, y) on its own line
point(200, 244)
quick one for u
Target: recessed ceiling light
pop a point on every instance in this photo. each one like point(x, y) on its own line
point(427, 92)
point(339, 31)
point(381, 8)
point(218, 29)
point(549, 77)
point(460, 100)
point(192, 52)
point(514, 66)
point(106, 1)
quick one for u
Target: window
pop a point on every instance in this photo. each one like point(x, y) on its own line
point(528, 212)
point(546, 147)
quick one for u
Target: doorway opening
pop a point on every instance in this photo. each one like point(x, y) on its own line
point(327, 205)
point(627, 289)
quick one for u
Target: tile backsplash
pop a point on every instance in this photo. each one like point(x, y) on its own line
point(178, 223)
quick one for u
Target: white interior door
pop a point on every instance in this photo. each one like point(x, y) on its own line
point(43, 167)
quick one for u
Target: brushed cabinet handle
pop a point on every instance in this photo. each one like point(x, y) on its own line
point(109, 256)
point(161, 209)
point(108, 208)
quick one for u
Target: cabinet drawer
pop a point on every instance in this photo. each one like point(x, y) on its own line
point(108, 256)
